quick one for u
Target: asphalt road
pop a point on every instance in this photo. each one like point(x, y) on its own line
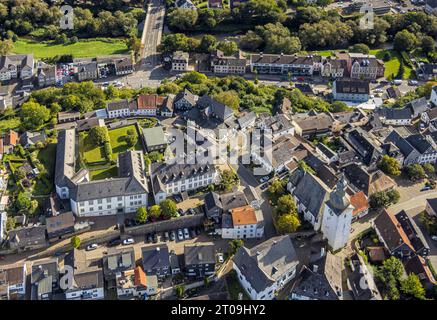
point(152, 33)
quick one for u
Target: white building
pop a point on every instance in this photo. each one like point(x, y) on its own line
point(243, 223)
point(123, 194)
point(135, 284)
point(120, 109)
point(337, 217)
point(88, 285)
point(179, 61)
point(16, 66)
point(3, 219)
point(16, 278)
point(266, 268)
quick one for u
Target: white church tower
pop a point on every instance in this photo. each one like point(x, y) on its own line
point(337, 217)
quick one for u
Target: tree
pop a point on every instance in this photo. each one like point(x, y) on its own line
point(34, 115)
point(278, 38)
point(286, 205)
point(194, 77)
point(429, 168)
point(168, 208)
point(228, 179)
point(229, 98)
point(393, 196)
point(6, 46)
point(23, 201)
point(10, 223)
point(131, 140)
point(390, 166)
point(228, 47)
point(389, 274)
point(288, 223)
point(207, 43)
point(155, 211)
point(251, 41)
point(411, 286)
point(234, 245)
point(180, 290)
point(141, 215)
point(359, 48)
point(99, 135)
point(415, 172)
point(75, 242)
point(133, 44)
point(305, 167)
point(276, 188)
point(182, 19)
point(428, 44)
point(405, 41)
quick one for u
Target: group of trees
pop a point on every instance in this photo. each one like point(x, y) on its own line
point(165, 210)
point(228, 179)
point(391, 276)
point(383, 199)
point(390, 166)
point(40, 19)
point(100, 137)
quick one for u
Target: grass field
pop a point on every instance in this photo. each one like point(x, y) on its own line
point(118, 140)
point(392, 65)
point(47, 157)
point(104, 173)
point(90, 152)
point(82, 49)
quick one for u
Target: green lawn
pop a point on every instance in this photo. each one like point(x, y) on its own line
point(104, 173)
point(392, 66)
point(90, 152)
point(47, 157)
point(118, 140)
point(82, 49)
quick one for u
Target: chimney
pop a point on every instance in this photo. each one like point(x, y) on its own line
point(322, 252)
point(315, 268)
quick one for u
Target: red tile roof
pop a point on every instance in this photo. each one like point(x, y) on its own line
point(359, 202)
point(243, 215)
point(149, 101)
point(140, 277)
point(11, 138)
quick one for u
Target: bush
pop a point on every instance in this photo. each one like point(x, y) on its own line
point(75, 242)
point(107, 150)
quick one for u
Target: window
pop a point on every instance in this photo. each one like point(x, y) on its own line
point(100, 201)
point(119, 198)
point(90, 202)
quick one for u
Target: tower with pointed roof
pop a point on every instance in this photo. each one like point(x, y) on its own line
point(337, 216)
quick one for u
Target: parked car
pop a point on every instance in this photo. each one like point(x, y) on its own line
point(166, 236)
point(172, 236)
point(426, 188)
point(264, 186)
point(412, 82)
point(434, 238)
point(114, 242)
point(264, 179)
point(128, 241)
point(91, 247)
point(186, 234)
point(220, 258)
point(180, 235)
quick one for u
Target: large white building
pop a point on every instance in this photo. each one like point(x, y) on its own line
point(3, 219)
point(337, 217)
point(16, 66)
point(123, 194)
point(266, 268)
point(243, 223)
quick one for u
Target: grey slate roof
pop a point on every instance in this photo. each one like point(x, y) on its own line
point(232, 200)
point(155, 256)
point(199, 254)
point(188, 96)
point(29, 236)
point(43, 268)
point(245, 120)
point(213, 107)
point(349, 86)
point(418, 106)
point(174, 172)
point(267, 262)
point(284, 59)
point(65, 158)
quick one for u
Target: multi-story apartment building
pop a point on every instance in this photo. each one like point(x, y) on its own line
point(87, 71)
point(334, 68)
point(16, 280)
point(351, 90)
point(121, 108)
point(46, 75)
point(199, 260)
point(285, 64)
point(362, 66)
point(234, 64)
point(169, 179)
point(243, 223)
point(16, 66)
point(123, 194)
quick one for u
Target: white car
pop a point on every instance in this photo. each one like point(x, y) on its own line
point(186, 234)
point(91, 247)
point(128, 241)
point(180, 235)
point(434, 238)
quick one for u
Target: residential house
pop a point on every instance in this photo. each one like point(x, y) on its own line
point(11, 139)
point(361, 205)
point(166, 109)
point(87, 71)
point(322, 280)
point(431, 207)
point(351, 90)
point(88, 124)
point(337, 217)
point(247, 120)
point(16, 276)
point(284, 106)
point(64, 117)
point(154, 139)
point(116, 262)
point(199, 260)
point(396, 117)
point(46, 75)
point(266, 268)
point(310, 194)
point(135, 283)
point(173, 178)
point(285, 64)
point(392, 235)
point(121, 108)
point(364, 144)
point(223, 64)
point(16, 67)
point(354, 118)
point(123, 66)
point(360, 280)
point(185, 100)
point(174, 263)
point(334, 68)
point(243, 223)
point(413, 233)
point(60, 226)
point(156, 260)
point(87, 282)
point(215, 205)
point(148, 104)
point(361, 180)
point(280, 125)
point(44, 279)
point(29, 138)
point(418, 266)
point(185, 4)
point(326, 153)
point(313, 125)
point(179, 60)
point(363, 66)
point(211, 108)
point(29, 238)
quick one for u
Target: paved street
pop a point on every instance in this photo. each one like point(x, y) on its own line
point(152, 32)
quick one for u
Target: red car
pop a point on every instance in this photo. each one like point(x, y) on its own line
point(301, 79)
